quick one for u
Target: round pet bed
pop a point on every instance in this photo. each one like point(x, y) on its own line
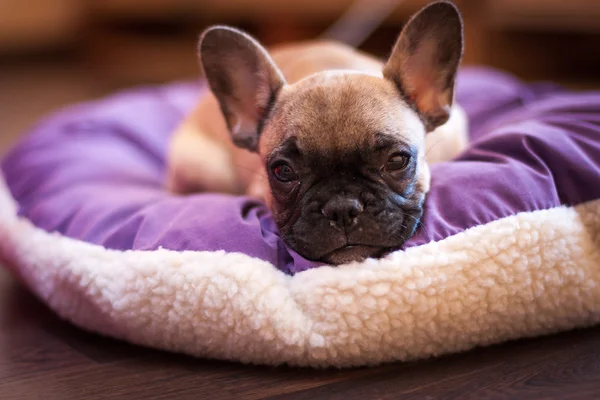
point(509, 245)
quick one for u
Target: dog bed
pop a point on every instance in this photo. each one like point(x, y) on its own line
point(509, 246)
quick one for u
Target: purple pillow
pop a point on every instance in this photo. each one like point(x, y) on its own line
point(94, 172)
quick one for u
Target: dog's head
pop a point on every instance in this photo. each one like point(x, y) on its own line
point(343, 151)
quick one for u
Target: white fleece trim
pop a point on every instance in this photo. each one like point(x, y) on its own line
point(525, 275)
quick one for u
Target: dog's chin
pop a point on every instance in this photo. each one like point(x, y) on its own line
point(352, 253)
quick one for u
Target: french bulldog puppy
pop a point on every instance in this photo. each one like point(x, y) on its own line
point(334, 141)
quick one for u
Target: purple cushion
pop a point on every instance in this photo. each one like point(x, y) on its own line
point(94, 171)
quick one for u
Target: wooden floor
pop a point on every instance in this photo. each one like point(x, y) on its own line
point(42, 357)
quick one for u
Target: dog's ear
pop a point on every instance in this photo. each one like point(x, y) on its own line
point(244, 79)
point(425, 60)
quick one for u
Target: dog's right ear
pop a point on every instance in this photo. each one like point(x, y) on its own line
point(244, 79)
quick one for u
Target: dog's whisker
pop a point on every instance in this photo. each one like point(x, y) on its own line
point(424, 228)
point(419, 223)
point(434, 145)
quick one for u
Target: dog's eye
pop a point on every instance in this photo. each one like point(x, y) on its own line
point(283, 172)
point(397, 162)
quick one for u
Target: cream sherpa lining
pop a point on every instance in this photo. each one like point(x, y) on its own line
point(525, 275)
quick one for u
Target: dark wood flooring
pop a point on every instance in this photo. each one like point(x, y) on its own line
point(42, 357)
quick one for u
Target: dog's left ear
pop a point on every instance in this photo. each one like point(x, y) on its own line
point(243, 78)
point(425, 60)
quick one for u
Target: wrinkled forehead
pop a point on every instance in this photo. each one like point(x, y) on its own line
point(338, 113)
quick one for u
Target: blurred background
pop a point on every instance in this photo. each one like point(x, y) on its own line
point(55, 52)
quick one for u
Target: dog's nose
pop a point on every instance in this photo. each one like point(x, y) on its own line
point(342, 210)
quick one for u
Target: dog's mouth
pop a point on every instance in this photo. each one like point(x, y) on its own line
point(352, 252)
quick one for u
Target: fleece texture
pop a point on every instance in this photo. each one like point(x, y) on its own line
point(525, 275)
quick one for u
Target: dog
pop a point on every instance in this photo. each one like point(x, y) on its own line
point(334, 141)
